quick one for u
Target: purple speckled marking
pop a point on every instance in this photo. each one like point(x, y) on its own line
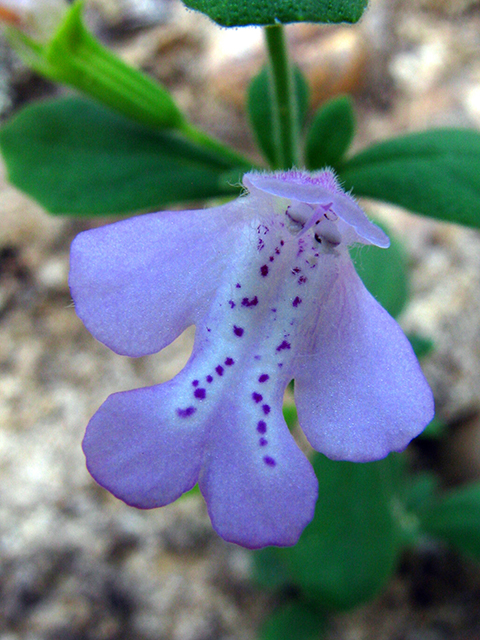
point(209, 379)
point(263, 442)
point(238, 285)
point(257, 396)
point(219, 370)
point(250, 303)
point(260, 244)
point(229, 362)
point(302, 279)
point(200, 394)
point(195, 383)
point(271, 258)
point(264, 377)
point(282, 243)
point(283, 346)
point(273, 310)
point(232, 304)
point(266, 409)
point(262, 427)
point(257, 357)
point(238, 331)
point(296, 270)
point(270, 462)
point(297, 301)
point(280, 365)
point(186, 413)
point(264, 270)
point(277, 251)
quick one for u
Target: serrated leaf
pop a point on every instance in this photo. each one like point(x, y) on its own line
point(455, 518)
point(384, 272)
point(260, 110)
point(237, 13)
point(435, 173)
point(76, 157)
point(330, 133)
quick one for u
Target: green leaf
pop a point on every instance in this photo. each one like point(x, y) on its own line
point(435, 173)
point(297, 620)
point(350, 549)
point(434, 430)
point(421, 345)
point(330, 134)
point(384, 272)
point(455, 518)
point(238, 13)
point(75, 157)
point(260, 110)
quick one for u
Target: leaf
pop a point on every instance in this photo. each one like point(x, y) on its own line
point(297, 620)
point(75, 157)
point(455, 518)
point(330, 134)
point(237, 13)
point(260, 110)
point(384, 272)
point(421, 345)
point(350, 549)
point(435, 173)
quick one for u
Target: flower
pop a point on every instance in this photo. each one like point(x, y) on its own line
point(268, 282)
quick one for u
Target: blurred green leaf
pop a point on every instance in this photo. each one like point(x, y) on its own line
point(237, 13)
point(350, 549)
point(435, 173)
point(422, 346)
point(435, 429)
point(330, 134)
point(295, 621)
point(75, 157)
point(260, 109)
point(384, 272)
point(455, 518)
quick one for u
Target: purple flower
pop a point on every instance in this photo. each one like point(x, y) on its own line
point(269, 284)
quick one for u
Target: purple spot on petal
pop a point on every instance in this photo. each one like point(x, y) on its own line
point(257, 357)
point(283, 346)
point(262, 427)
point(209, 379)
point(232, 304)
point(200, 394)
point(186, 413)
point(282, 243)
point(257, 396)
point(263, 442)
point(266, 409)
point(280, 365)
point(229, 362)
point(264, 270)
point(269, 461)
point(302, 280)
point(219, 370)
point(273, 310)
point(250, 303)
point(296, 270)
point(260, 244)
point(238, 285)
point(238, 331)
point(195, 383)
point(297, 301)
point(271, 258)
point(277, 251)
point(264, 377)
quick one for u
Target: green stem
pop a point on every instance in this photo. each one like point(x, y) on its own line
point(212, 144)
point(285, 120)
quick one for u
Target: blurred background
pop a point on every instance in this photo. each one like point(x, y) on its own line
point(75, 563)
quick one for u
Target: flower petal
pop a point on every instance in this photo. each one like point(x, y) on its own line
point(141, 447)
point(138, 283)
point(257, 496)
point(360, 393)
point(319, 188)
